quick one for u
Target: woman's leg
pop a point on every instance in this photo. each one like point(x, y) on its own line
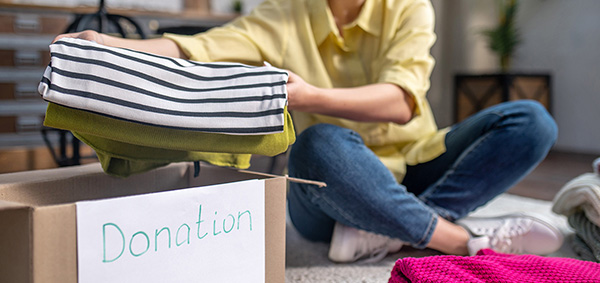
point(314, 211)
point(486, 155)
point(361, 191)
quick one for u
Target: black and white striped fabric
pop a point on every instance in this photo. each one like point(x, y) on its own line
point(225, 98)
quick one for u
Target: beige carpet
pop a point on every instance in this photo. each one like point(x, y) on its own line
point(307, 261)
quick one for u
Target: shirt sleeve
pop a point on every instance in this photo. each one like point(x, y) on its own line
point(408, 62)
point(250, 39)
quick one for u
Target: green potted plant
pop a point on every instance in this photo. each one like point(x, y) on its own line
point(504, 38)
point(237, 6)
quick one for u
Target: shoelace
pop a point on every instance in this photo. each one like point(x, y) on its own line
point(373, 246)
point(507, 238)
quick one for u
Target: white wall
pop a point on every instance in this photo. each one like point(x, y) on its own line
point(564, 37)
point(559, 37)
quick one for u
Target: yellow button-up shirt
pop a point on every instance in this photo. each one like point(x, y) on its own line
point(389, 42)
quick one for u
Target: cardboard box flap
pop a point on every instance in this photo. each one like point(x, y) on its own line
point(275, 201)
point(49, 174)
point(291, 179)
point(210, 174)
point(87, 182)
point(5, 205)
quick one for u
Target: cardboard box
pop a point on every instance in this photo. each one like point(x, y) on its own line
point(38, 214)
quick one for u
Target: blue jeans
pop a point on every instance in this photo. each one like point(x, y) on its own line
point(485, 155)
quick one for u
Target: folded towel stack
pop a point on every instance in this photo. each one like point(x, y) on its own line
point(586, 242)
point(579, 200)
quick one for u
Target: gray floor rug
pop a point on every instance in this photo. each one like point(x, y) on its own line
point(307, 261)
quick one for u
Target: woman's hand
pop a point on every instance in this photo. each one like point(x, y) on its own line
point(87, 35)
point(381, 102)
point(160, 46)
point(300, 93)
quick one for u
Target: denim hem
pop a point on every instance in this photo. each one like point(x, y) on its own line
point(422, 244)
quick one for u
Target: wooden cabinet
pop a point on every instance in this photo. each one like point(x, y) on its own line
point(473, 93)
point(24, 38)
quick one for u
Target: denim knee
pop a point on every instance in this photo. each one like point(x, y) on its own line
point(324, 131)
point(540, 127)
point(313, 141)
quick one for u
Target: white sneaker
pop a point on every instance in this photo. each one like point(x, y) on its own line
point(350, 244)
point(514, 233)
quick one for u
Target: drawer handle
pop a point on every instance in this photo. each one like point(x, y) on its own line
point(27, 58)
point(27, 24)
point(26, 91)
point(28, 123)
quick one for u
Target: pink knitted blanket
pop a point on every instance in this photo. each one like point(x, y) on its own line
point(489, 266)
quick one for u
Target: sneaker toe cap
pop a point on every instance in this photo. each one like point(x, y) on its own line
point(542, 239)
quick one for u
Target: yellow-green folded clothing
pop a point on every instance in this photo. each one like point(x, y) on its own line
point(126, 148)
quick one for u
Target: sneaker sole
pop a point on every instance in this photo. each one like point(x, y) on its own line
point(339, 240)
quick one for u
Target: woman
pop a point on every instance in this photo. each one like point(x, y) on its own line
point(359, 72)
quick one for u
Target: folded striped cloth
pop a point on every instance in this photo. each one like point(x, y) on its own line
point(227, 98)
point(581, 193)
point(586, 242)
point(140, 111)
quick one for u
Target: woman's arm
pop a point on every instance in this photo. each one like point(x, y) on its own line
point(159, 46)
point(383, 102)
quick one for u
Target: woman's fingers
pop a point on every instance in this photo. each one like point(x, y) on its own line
point(87, 35)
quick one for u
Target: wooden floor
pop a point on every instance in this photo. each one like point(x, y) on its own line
point(556, 170)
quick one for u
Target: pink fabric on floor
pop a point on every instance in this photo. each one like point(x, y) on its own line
point(489, 266)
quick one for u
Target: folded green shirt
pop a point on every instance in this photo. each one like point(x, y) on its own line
point(126, 148)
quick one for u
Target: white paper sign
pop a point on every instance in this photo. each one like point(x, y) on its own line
point(206, 234)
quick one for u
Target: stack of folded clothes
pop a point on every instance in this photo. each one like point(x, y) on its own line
point(579, 200)
point(140, 111)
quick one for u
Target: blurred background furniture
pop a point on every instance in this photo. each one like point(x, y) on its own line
point(26, 29)
point(474, 92)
